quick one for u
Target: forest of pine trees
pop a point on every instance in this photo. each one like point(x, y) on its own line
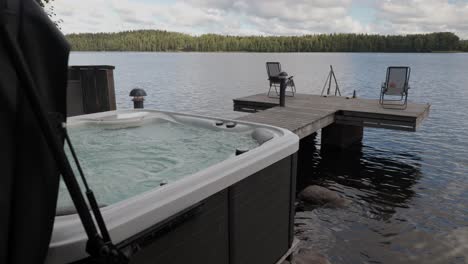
point(157, 40)
point(463, 45)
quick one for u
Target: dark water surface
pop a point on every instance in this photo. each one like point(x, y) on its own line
point(409, 191)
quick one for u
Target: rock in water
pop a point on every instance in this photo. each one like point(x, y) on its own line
point(307, 256)
point(321, 196)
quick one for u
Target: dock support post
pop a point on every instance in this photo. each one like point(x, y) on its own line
point(306, 153)
point(341, 136)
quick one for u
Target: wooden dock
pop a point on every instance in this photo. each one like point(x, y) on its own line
point(305, 114)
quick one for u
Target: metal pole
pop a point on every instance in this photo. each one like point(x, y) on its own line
point(325, 84)
point(283, 91)
point(337, 89)
point(329, 80)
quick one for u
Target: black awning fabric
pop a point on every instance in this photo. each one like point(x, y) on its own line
point(29, 177)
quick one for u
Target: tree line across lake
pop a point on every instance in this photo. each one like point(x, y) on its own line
point(158, 40)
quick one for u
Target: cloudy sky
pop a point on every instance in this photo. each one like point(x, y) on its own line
point(265, 17)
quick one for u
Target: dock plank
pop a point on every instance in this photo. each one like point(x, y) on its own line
point(304, 114)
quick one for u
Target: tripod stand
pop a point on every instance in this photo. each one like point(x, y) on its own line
point(329, 81)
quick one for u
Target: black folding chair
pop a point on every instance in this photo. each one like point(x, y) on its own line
point(273, 71)
point(396, 85)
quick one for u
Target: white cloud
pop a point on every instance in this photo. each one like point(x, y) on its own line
point(421, 16)
point(209, 16)
point(282, 17)
point(265, 17)
point(118, 15)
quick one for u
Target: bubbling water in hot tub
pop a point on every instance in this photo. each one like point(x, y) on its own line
point(121, 163)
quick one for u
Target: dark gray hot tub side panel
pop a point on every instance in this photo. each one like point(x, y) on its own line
point(201, 239)
point(260, 210)
point(249, 222)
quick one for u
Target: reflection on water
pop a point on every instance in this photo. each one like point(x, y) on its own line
point(383, 183)
point(374, 228)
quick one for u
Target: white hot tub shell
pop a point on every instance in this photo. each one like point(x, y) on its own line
point(248, 190)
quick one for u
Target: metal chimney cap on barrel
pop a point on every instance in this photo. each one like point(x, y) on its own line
point(138, 97)
point(137, 92)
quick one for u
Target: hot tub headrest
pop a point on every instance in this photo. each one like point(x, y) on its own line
point(262, 135)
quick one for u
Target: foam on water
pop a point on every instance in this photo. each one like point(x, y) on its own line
point(121, 163)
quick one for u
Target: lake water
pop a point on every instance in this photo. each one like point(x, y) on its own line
point(409, 191)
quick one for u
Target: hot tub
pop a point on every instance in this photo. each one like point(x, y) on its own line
point(179, 188)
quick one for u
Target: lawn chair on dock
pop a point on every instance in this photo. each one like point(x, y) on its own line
point(396, 85)
point(273, 71)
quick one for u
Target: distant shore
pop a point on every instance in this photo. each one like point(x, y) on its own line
point(164, 41)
